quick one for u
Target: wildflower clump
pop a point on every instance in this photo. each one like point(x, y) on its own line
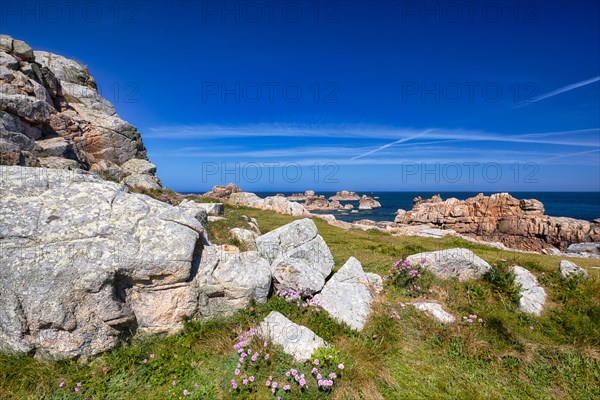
point(412, 278)
point(304, 300)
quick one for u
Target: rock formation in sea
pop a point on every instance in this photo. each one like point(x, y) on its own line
point(345, 195)
point(51, 115)
point(519, 224)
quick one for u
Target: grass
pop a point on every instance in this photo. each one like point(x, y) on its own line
point(508, 356)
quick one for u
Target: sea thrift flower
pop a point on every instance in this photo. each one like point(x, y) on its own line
point(319, 377)
point(341, 366)
point(61, 384)
point(286, 387)
point(245, 381)
point(251, 378)
point(314, 370)
point(274, 385)
point(267, 356)
point(332, 375)
point(316, 362)
point(254, 356)
point(196, 385)
point(145, 360)
point(531, 328)
point(152, 355)
point(174, 383)
point(287, 373)
point(185, 392)
point(237, 371)
point(78, 384)
point(76, 389)
point(268, 383)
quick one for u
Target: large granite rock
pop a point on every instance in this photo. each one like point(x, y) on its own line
point(452, 263)
point(368, 203)
point(533, 296)
point(591, 248)
point(299, 257)
point(436, 311)
point(347, 296)
point(296, 340)
point(55, 104)
point(212, 209)
point(569, 270)
point(519, 224)
point(278, 204)
point(84, 262)
point(345, 195)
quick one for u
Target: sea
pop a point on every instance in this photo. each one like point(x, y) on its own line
point(580, 205)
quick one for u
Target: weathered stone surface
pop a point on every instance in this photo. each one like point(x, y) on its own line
point(296, 340)
point(300, 258)
point(54, 100)
point(347, 296)
point(519, 224)
point(452, 263)
point(245, 237)
point(213, 209)
point(569, 269)
point(533, 296)
point(436, 311)
point(71, 243)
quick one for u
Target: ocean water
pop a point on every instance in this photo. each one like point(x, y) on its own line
point(580, 205)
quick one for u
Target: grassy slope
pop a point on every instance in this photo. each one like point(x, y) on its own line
point(407, 358)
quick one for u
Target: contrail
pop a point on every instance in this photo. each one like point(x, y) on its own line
point(564, 89)
point(385, 146)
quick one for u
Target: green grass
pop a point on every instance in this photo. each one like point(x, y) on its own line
point(411, 357)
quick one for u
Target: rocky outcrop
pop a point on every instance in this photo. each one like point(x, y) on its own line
point(299, 257)
point(589, 249)
point(519, 224)
point(368, 203)
point(345, 195)
point(84, 262)
point(296, 340)
point(435, 311)
point(533, 296)
point(452, 263)
point(277, 204)
point(569, 270)
point(321, 203)
point(347, 296)
point(302, 196)
point(51, 115)
point(222, 192)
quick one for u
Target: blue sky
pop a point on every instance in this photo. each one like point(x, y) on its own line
point(331, 95)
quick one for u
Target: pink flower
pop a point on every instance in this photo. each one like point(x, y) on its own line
point(332, 375)
point(319, 377)
point(274, 385)
point(76, 389)
point(268, 383)
point(152, 355)
point(286, 387)
point(61, 384)
point(316, 362)
point(245, 381)
point(78, 384)
point(196, 385)
point(251, 378)
point(287, 373)
point(174, 383)
point(341, 366)
point(237, 371)
point(267, 356)
point(314, 370)
point(185, 392)
point(531, 328)
point(145, 360)
point(265, 344)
